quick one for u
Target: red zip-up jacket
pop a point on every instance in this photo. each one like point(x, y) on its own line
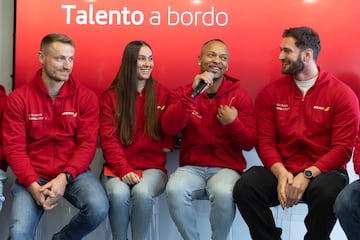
point(205, 141)
point(144, 152)
point(43, 136)
point(318, 129)
point(3, 163)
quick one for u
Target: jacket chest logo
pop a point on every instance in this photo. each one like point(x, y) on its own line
point(282, 107)
point(325, 109)
point(74, 114)
point(161, 108)
point(196, 114)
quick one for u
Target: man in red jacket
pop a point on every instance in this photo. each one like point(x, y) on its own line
point(3, 163)
point(307, 123)
point(217, 125)
point(50, 130)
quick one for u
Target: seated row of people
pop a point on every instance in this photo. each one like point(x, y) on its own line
point(304, 127)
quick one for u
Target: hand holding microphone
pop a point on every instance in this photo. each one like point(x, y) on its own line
point(206, 78)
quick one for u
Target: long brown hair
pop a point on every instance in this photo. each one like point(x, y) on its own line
point(125, 87)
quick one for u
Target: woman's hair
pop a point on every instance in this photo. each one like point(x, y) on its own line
point(125, 87)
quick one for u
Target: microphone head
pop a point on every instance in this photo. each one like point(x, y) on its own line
point(212, 75)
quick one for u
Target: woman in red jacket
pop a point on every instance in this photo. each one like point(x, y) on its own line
point(132, 143)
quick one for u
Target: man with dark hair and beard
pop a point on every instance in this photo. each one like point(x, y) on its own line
point(307, 123)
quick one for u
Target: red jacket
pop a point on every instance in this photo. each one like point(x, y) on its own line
point(316, 130)
point(3, 163)
point(44, 137)
point(356, 157)
point(144, 152)
point(205, 141)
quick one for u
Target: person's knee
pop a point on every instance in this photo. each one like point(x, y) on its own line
point(98, 214)
point(343, 204)
point(175, 194)
point(241, 189)
point(98, 207)
point(327, 186)
point(114, 195)
point(223, 195)
point(223, 202)
point(142, 195)
point(325, 194)
point(174, 188)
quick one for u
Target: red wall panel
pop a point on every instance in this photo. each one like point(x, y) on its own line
point(176, 30)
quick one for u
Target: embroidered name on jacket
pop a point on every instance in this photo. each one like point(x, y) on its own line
point(35, 116)
point(282, 107)
point(39, 116)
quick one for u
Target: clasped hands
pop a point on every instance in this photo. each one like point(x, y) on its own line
point(291, 189)
point(48, 195)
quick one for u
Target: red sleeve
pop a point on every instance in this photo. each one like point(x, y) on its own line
point(178, 111)
point(344, 130)
point(242, 131)
point(87, 133)
point(168, 142)
point(163, 94)
point(14, 137)
point(109, 139)
point(266, 130)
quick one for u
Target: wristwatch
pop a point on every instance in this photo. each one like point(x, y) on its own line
point(308, 174)
point(69, 178)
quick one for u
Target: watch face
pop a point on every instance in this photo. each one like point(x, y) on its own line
point(69, 178)
point(308, 174)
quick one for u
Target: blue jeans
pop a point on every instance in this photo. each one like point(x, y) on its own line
point(85, 193)
point(136, 201)
point(347, 209)
point(189, 183)
point(2, 181)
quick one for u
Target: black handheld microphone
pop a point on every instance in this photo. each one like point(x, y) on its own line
point(200, 86)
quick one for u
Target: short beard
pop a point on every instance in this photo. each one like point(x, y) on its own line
point(294, 68)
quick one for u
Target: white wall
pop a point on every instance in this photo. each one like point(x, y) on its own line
point(6, 42)
point(162, 227)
